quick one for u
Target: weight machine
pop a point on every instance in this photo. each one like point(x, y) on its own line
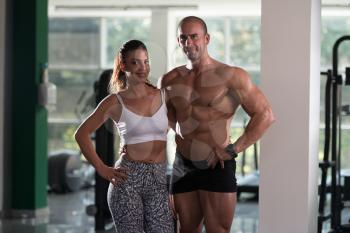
point(104, 141)
point(333, 117)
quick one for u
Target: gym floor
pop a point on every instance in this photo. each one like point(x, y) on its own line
point(67, 214)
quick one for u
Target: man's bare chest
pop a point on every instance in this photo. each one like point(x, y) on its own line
point(202, 90)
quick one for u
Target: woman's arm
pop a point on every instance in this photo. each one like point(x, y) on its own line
point(109, 107)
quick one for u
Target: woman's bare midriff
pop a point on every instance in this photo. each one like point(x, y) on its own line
point(146, 152)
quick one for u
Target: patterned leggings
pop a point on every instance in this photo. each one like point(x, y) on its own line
point(141, 203)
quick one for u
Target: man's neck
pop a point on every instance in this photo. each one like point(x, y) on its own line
point(199, 64)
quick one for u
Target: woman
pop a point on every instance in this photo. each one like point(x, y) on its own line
point(137, 196)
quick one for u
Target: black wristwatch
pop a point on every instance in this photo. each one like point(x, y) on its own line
point(230, 148)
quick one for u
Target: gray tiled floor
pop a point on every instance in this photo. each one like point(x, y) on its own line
point(67, 215)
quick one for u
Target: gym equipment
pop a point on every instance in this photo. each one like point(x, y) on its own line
point(249, 183)
point(64, 171)
point(67, 172)
point(104, 141)
point(333, 116)
point(83, 108)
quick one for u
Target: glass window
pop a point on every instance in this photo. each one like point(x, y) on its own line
point(74, 42)
point(75, 63)
point(120, 30)
point(80, 47)
point(245, 43)
point(216, 30)
point(332, 29)
point(245, 51)
point(75, 101)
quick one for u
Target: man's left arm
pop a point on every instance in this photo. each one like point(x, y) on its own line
point(255, 104)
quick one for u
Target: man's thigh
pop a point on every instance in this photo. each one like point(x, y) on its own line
point(218, 210)
point(189, 212)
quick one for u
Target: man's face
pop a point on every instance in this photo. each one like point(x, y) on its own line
point(192, 39)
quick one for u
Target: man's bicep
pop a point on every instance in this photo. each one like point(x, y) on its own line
point(160, 82)
point(254, 101)
point(245, 92)
point(163, 81)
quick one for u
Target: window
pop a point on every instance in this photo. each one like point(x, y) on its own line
point(120, 30)
point(74, 43)
point(80, 48)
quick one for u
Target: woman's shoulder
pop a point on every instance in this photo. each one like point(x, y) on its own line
point(107, 107)
point(110, 100)
point(111, 106)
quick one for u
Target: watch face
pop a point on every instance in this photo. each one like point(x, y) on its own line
point(231, 150)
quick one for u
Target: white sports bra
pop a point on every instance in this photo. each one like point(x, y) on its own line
point(134, 128)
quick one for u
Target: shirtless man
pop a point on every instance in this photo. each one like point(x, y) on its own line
point(204, 95)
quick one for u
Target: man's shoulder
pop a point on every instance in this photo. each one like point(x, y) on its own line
point(230, 71)
point(223, 67)
point(171, 76)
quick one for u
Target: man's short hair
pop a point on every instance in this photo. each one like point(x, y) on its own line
point(194, 18)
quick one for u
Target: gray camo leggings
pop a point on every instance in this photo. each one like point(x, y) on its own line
point(141, 203)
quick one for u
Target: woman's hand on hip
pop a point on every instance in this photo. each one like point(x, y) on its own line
point(115, 175)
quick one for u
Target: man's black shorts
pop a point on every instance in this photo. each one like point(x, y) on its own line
point(190, 175)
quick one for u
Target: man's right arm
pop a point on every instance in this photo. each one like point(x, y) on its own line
point(164, 83)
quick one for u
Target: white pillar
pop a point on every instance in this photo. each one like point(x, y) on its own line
point(162, 35)
point(162, 51)
point(290, 67)
point(2, 90)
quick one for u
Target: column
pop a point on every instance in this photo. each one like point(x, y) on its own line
point(28, 120)
point(2, 101)
point(290, 67)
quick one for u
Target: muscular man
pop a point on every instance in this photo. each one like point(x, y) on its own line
point(204, 95)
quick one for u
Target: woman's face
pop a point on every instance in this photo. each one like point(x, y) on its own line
point(136, 66)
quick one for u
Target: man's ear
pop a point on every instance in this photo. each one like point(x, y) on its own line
point(178, 41)
point(207, 38)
